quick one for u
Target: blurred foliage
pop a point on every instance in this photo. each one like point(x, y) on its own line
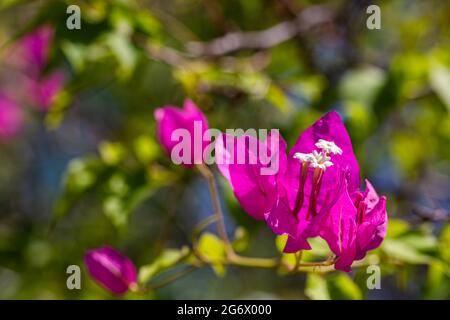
point(90, 171)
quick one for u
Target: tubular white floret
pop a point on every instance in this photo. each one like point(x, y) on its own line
point(315, 159)
point(320, 160)
point(304, 157)
point(328, 147)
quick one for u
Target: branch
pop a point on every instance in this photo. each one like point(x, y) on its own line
point(209, 177)
point(308, 19)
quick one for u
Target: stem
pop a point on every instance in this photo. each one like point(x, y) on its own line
point(238, 260)
point(172, 278)
point(298, 259)
point(208, 175)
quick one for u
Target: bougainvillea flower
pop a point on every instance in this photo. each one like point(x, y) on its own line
point(111, 269)
point(44, 90)
point(11, 118)
point(181, 132)
point(253, 180)
point(317, 164)
point(315, 194)
point(36, 48)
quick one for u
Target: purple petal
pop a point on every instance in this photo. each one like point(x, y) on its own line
point(111, 269)
point(36, 47)
point(282, 221)
point(373, 228)
point(339, 230)
point(330, 128)
point(189, 119)
point(11, 118)
point(239, 160)
point(46, 89)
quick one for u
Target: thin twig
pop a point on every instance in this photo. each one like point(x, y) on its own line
point(220, 223)
point(307, 19)
point(172, 278)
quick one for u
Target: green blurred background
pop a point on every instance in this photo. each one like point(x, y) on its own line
point(89, 171)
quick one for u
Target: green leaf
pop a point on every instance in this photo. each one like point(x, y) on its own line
point(111, 152)
point(438, 282)
point(347, 287)
point(319, 249)
point(278, 98)
point(241, 239)
point(114, 209)
point(145, 148)
point(362, 85)
point(421, 242)
point(316, 287)
point(167, 259)
point(444, 241)
point(213, 249)
point(440, 83)
point(397, 227)
point(398, 249)
point(287, 258)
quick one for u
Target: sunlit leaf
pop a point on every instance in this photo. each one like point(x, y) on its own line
point(347, 287)
point(440, 82)
point(211, 247)
point(166, 260)
point(397, 249)
point(241, 239)
point(316, 287)
point(111, 152)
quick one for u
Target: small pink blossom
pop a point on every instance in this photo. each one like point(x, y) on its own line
point(11, 118)
point(173, 122)
point(36, 49)
point(111, 269)
point(44, 90)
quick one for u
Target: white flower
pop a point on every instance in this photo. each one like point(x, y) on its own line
point(328, 147)
point(320, 160)
point(304, 157)
point(315, 159)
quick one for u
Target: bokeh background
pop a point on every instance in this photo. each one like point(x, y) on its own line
point(80, 165)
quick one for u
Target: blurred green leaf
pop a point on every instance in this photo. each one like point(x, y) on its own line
point(362, 85)
point(211, 247)
point(316, 287)
point(347, 287)
point(146, 148)
point(438, 281)
point(241, 239)
point(403, 251)
point(111, 152)
point(397, 227)
point(421, 242)
point(440, 82)
point(168, 259)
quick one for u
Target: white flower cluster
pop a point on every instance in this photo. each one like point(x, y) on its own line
point(320, 159)
point(328, 147)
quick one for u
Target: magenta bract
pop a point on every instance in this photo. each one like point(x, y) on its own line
point(175, 124)
point(316, 193)
point(111, 269)
point(11, 118)
point(36, 47)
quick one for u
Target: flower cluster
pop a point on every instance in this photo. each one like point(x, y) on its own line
point(43, 87)
point(315, 192)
